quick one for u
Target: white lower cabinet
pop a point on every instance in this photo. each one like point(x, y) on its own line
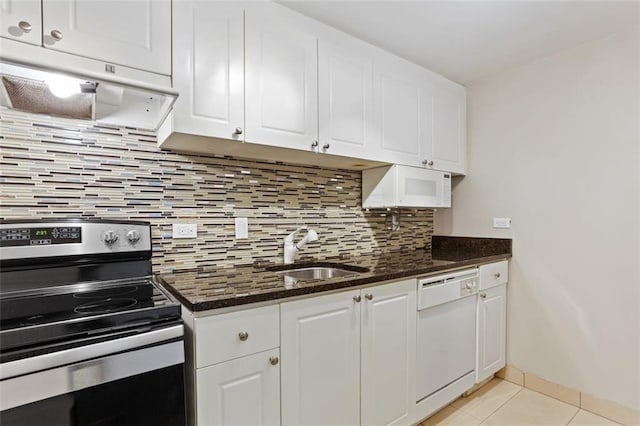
point(388, 334)
point(491, 319)
point(349, 358)
point(236, 362)
point(243, 391)
point(321, 360)
point(491, 331)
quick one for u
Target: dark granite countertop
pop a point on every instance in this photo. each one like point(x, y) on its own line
point(204, 289)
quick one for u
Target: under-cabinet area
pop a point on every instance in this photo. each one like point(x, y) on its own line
point(361, 356)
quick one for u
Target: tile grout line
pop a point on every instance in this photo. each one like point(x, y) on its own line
point(482, 421)
point(574, 416)
point(557, 399)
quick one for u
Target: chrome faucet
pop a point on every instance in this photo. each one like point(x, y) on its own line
point(290, 248)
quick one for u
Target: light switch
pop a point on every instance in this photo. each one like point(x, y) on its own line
point(242, 227)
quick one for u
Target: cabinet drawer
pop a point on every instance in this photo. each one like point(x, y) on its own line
point(227, 336)
point(494, 274)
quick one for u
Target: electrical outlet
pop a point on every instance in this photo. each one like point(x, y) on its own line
point(502, 222)
point(242, 227)
point(184, 230)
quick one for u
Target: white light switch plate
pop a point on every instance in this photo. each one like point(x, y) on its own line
point(242, 227)
point(184, 230)
point(502, 222)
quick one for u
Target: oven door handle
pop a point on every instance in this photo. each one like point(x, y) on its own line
point(71, 378)
point(82, 353)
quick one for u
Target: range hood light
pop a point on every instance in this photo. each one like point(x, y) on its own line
point(63, 86)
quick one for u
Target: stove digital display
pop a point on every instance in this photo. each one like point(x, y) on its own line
point(11, 237)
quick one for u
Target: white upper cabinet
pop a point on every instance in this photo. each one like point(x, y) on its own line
point(278, 79)
point(21, 20)
point(445, 147)
point(346, 109)
point(422, 117)
point(208, 68)
point(402, 117)
point(135, 34)
point(281, 79)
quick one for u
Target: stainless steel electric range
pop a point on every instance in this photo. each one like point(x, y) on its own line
point(86, 336)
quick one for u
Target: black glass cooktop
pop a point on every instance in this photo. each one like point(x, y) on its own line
point(50, 319)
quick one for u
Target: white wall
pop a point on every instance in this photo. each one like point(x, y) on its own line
point(555, 146)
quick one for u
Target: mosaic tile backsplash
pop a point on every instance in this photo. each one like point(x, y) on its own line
point(53, 168)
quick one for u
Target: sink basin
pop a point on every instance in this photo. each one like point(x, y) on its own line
point(317, 271)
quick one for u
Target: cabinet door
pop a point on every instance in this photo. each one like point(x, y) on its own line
point(320, 344)
point(389, 354)
point(346, 113)
point(244, 391)
point(406, 115)
point(281, 81)
point(446, 148)
point(208, 68)
point(21, 20)
point(136, 34)
point(491, 331)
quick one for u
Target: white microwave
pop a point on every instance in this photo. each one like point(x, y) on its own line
point(404, 186)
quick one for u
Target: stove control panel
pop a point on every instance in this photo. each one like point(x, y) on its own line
point(72, 238)
point(18, 236)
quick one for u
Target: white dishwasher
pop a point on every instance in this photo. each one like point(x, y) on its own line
point(446, 351)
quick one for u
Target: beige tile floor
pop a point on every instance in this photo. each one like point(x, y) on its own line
point(501, 403)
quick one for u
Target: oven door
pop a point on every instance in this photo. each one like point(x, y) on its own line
point(140, 386)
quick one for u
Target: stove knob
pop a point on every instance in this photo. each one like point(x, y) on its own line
point(110, 237)
point(133, 236)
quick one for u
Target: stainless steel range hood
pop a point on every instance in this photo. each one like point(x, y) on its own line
point(42, 91)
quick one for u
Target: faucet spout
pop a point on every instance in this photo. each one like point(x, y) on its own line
point(290, 249)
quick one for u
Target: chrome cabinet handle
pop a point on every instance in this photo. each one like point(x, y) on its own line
point(483, 295)
point(243, 335)
point(274, 360)
point(25, 26)
point(368, 296)
point(497, 275)
point(238, 131)
point(357, 299)
point(314, 144)
point(57, 35)
point(325, 146)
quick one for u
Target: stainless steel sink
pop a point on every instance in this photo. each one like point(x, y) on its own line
point(317, 272)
